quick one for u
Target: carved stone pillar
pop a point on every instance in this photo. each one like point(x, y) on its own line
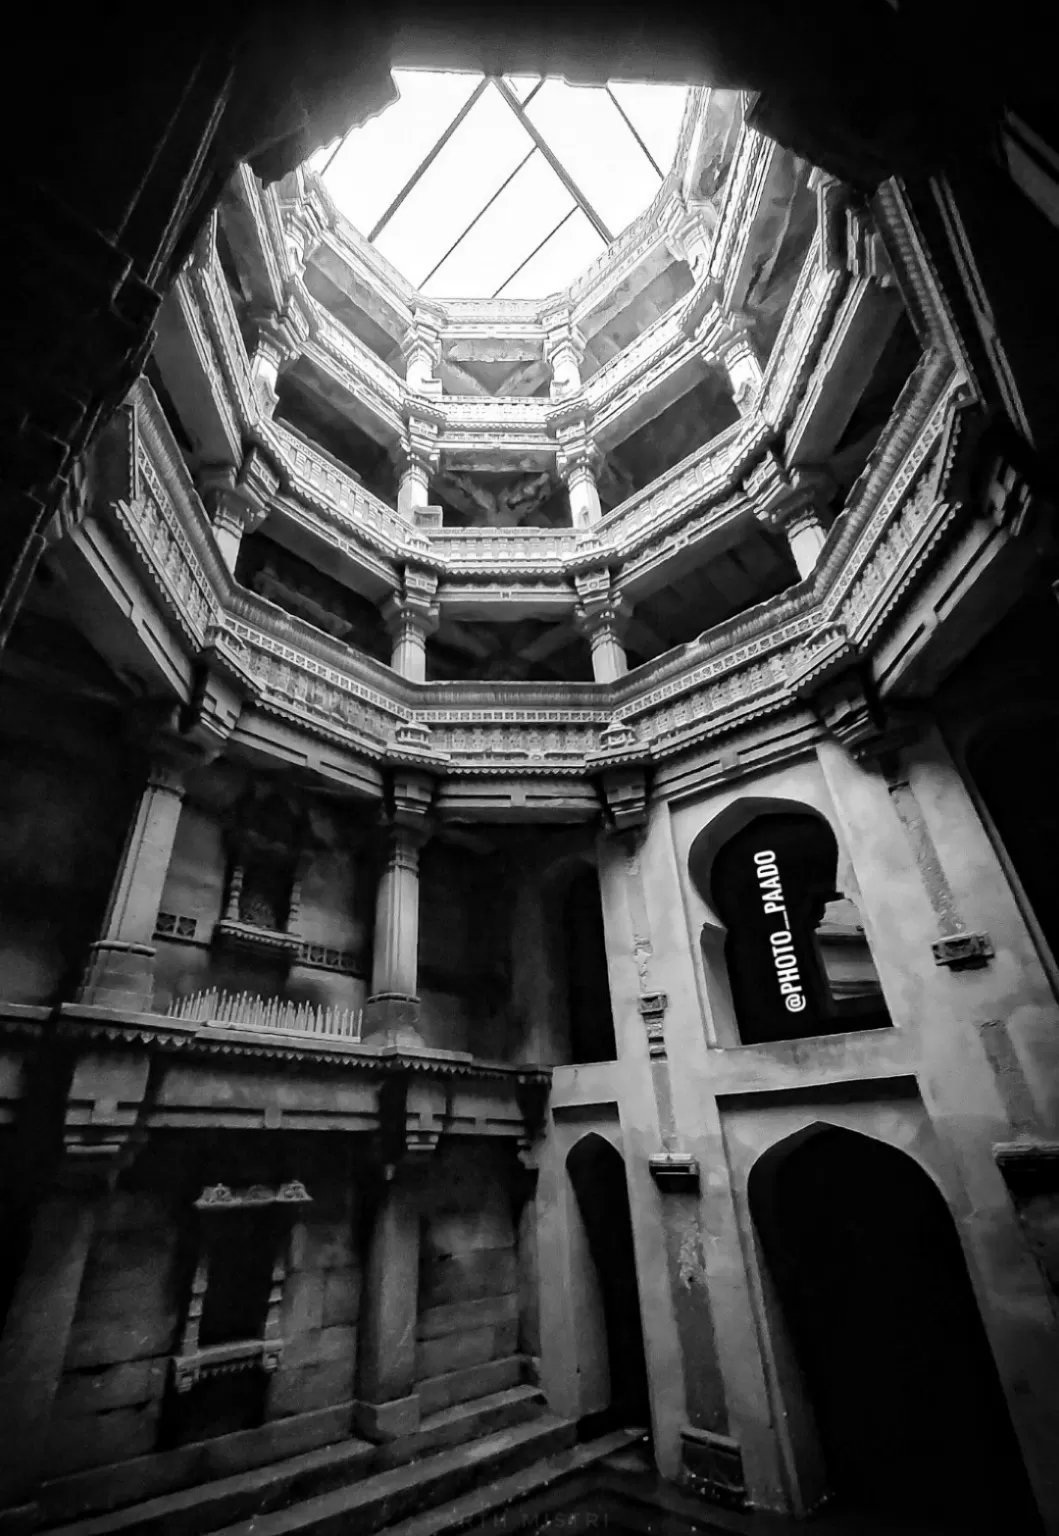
point(422, 353)
point(303, 228)
point(392, 1010)
point(689, 234)
point(387, 1403)
point(394, 961)
point(564, 353)
point(578, 462)
point(279, 341)
point(585, 507)
point(417, 460)
point(237, 502)
point(795, 504)
point(120, 970)
point(411, 617)
point(735, 351)
point(806, 535)
point(601, 615)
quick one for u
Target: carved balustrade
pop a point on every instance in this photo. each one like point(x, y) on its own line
point(741, 671)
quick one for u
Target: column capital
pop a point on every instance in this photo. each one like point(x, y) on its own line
point(410, 614)
point(411, 796)
point(304, 229)
point(284, 331)
point(564, 336)
point(780, 493)
point(600, 621)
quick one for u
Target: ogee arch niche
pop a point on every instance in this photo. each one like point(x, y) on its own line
point(868, 1268)
point(797, 958)
point(597, 1173)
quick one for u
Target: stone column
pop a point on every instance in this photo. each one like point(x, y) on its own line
point(392, 1009)
point(806, 535)
point(578, 461)
point(795, 503)
point(395, 958)
point(120, 970)
point(237, 501)
point(585, 507)
point(37, 1327)
point(387, 1402)
point(601, 615)
point(410, 623)
point(564, 353)
point(279, 341)
point(422, 352)
point(735, 350)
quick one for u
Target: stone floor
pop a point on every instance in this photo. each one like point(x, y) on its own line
point(624, 1498)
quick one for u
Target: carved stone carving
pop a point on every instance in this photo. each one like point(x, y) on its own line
point(504, 507)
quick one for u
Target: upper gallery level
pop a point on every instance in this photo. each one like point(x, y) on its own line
point(651, 522)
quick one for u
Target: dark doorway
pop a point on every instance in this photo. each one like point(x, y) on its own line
point(798, 960)
point(597, 1173)
point(872, 1282)
point(1016, 769)
point(584, 950)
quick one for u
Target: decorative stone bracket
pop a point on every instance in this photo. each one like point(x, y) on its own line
point(713, 1466)
point(652, 1007)
point(625, 796)
point(674, 1172)
point(963, 951)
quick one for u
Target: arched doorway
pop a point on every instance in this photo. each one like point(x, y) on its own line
point(870, 1276)
point(597, 1174)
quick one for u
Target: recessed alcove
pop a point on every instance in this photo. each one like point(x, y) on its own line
point(284, 578)
point(787, 956)
point(753, 567)
point(318, 411)
point(678, 430)
point(524, 650)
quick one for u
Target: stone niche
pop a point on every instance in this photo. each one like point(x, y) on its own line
point(267, 893)
point(118, 1397)
point(321, 599)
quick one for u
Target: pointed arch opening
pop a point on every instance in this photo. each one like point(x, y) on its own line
point(793, 945)
point(597, 1173)
point(866, 1264)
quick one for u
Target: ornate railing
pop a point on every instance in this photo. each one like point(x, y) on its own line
point(741, 670)
point(247, 1010)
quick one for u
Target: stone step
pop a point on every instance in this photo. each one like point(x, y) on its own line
point(376, 1502)
point(506, 1493)
point(226, 1500)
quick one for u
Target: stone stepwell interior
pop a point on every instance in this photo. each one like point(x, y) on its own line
point(529, 947)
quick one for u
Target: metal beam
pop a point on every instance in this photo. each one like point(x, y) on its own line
point(540, 244)
point(525, 159)
point(556, 164)
point(631, 127)
point(429, 158)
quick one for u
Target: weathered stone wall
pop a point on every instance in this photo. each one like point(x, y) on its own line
point(115, 1391)
point(67, 791)
point(467, 1332)
point(117, 1364)
point(321, 1304)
